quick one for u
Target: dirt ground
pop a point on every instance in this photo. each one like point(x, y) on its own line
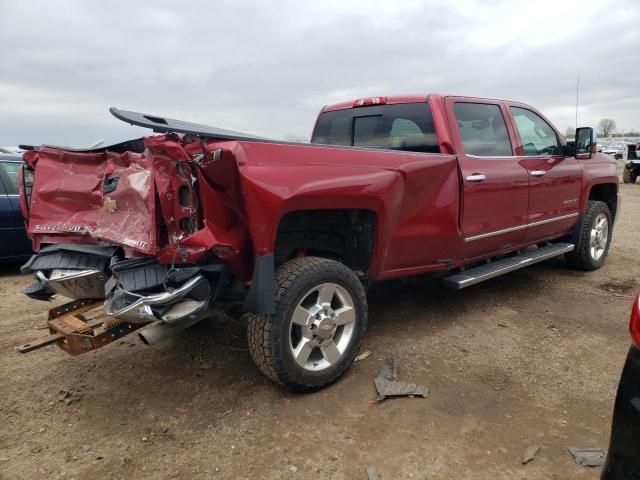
point(533, 357)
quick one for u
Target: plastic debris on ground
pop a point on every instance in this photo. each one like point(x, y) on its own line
point(387, 383)
point(372, 473)
point(588, 457)
point(362, 356)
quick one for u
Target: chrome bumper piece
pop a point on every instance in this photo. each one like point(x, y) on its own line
point(74, 284)
point(135, 308)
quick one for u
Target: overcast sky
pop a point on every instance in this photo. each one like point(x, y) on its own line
point(268, 67)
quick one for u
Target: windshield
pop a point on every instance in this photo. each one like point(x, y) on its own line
point(406, 126)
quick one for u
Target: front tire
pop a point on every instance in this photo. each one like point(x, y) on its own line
point(318, 326)
point(595, 238)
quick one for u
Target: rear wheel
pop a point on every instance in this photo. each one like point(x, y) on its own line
point(317, 328)
point(595, 238)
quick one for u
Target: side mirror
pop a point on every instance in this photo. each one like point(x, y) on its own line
point(585, 143)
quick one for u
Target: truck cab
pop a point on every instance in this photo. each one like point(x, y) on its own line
point(520, 181)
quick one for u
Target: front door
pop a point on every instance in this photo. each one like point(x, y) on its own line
point(555, 181)
point(495, 182)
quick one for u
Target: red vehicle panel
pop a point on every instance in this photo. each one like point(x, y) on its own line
point(194, 217)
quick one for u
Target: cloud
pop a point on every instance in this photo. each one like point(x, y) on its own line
point(268, 67)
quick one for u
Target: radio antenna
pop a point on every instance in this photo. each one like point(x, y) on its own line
point(577, 90)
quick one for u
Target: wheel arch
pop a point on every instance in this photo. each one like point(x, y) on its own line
point(348, 235)
point(607, 193)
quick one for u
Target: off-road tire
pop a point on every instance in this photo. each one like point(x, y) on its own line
point(269, 335)
point(581, 258)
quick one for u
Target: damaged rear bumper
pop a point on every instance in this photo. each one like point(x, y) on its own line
point(135, 291)
point(75, 284)
point(169, 306)
point(73, 271)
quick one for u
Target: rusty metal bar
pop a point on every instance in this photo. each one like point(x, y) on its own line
point(41, 342)
point(81, 326)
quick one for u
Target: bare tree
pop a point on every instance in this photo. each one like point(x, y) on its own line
point(569, 132)
point(606, 126)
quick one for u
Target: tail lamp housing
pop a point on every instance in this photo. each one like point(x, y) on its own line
point(27, 183)
point(634, 323)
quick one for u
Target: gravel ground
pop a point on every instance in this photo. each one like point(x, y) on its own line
point(529, 358)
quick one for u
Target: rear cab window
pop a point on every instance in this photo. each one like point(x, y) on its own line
point(406, 126)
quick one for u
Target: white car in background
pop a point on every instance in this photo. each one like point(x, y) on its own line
point(11, 150)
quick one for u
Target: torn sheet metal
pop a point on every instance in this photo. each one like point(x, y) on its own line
point(588, 457)
point(103, 196)
point(387, 383)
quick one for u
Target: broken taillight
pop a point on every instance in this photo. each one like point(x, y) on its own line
point(366, 102)
point(634, 324)
point(27, 182)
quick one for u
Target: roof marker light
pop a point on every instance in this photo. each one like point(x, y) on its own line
point(366, 102)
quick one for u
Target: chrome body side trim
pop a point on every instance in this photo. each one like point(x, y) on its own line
point(519, 227)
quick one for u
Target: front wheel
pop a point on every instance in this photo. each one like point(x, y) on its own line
point(318, 326)
point(595, 238)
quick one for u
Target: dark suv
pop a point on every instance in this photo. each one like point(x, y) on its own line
point(14, 243)
point(623, 459)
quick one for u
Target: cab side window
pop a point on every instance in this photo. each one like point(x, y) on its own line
point(538, 138)
point(483, 130)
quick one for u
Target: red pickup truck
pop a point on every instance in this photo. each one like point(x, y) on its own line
point(168, 227)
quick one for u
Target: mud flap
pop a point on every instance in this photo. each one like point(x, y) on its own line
point(261, 296)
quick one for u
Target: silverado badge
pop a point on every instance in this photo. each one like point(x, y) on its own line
point(110, 205)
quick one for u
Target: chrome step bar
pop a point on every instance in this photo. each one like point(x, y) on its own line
point(494, 269)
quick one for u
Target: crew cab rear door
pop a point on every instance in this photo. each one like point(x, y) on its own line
point(495, 182)
point(555, 181)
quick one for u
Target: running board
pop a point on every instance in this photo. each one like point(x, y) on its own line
point(484, 272)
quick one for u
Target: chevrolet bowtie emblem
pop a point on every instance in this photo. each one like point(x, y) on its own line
point(110, 205)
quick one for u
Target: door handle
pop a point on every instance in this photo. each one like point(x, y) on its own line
point(476, 177)
point(538, 173)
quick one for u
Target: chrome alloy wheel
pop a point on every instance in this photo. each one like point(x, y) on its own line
point(322, 327)
point(599, 236)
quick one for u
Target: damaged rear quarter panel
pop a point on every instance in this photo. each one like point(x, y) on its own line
point(415, 197)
